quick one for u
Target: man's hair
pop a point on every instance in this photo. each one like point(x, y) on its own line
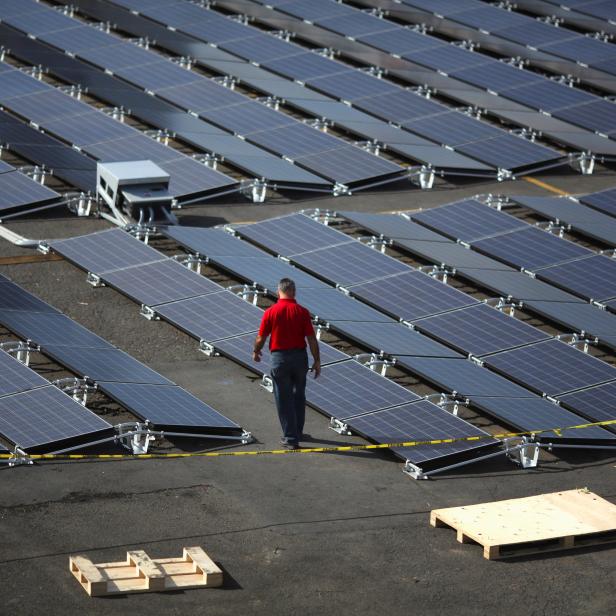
point(287, 286)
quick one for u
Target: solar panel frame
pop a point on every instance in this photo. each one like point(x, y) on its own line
point(462, 377)
point(160, 282)
point(347, 389)
point(349, 263)
point(47, 417)
point(411, 295)
point(303, 66)
point(106, 251)
point(169, 407)
point(16, 377)
point(537, 413)
point(392, 339)
point(479, 330)
point(468, 220)
point(530, 248)
point(212, 317)
point(593, 278)
point(551, 367)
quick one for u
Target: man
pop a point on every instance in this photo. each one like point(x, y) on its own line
point(288, 325)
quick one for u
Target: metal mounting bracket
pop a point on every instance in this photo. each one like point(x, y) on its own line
point(374, 360)
point(78, 389)
point(378, 243)
point(20, 349)
point(184, 61)
point(94, 280)
point(372, 146)
point(226, 81)
point(523, 451)
point(584, 162)
point(440, 272)
point(340, 190)
point(577, 340)
point(497, 202)
point(422, 177)
point(81, 204)
point(209, 159)
point(192, 261)
point(554, 227)
point(450, 402)
point(248, 292)
point(322, 216)
point(208, 349)
point(136, 437)
point(339, 426)
point(117, 113)
point(503, 304)
point(255, 190)
point(160, 135)
point(413, 471)
point(148, 313)
point(503, 174)
point(19, 457)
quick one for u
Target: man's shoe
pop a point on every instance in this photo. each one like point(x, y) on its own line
point(292, 446)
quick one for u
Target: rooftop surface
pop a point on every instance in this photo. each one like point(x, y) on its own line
point(315, 534)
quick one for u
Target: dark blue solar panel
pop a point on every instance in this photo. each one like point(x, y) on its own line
point(604, 201)
point(248, 117)
point(531, 248)
point(39, 22)
point(18, 7)
point(489, 18)
point(15, 83)
point(168, 406)
point(597, 403)
point(448, 58)
point(47, 416)
point(212, 242)
point(332, 305)
point(313, 10)
point(292, 234)
point(463, 377)
point(535, 33)
point(215, 30)
point(582, 49)
point(421, 421)
point(304, 66)
point(604, 9)
point(94, 127)
point(213, 317)
point(355, 24)
point(294, 140)
point(18, 193)
point(404, 106)
point(497, 76)
point(191, 178)
point(593, 278)
point(400, 40)
point(16, 377)
point(411, 295)
point(50, 328)
point(443, 7)
point(468, 220)
point(347, 388)
point(106, 251)
point(392, 338)
point(41, 107)
point(599, 115)
point(78, 38)
point(352, 84)
point(552, 367)
point(260, 48)
point(549, 96)
point(115, 57)
point(539, 414)
point(479, 330)
point(199, 96)
point(160, 282)
point(349, 263)
point(104, 364)
point(158, 75)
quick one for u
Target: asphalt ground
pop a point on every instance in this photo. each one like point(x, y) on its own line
point(294, 534)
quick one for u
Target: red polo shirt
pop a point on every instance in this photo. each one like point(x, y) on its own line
point(288, 323)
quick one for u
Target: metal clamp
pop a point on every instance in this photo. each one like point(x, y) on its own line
point(94, 280)
point(19, 457)
point(77, 388)
point(117, 113)
point(450, 402)
point(255, 190)
point(503, 304)
point(554, 227)
point(497, 202)
point(248, 292)
point(20, 349)
point(524, 451)
point(81, 204)
point(374, 360)
point(584, 162)
point(339, 426)
point(136, 437)
point(440, 272)
point(184, 61)
point(379, 243)
point(423, 176)
point(575, 340)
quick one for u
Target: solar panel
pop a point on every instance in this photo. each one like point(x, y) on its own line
point(260, 48)
point(468, 220)
point(600, 115)
point(530, 248)
point(479, 330)
point(349, 263)
point(355, 24)
point(50, 328)
point(548, 96)
point(41, 107)
point(497, 76)
point(448, 58)
point(352, 85)
point(15, 83)
point(133, 147)
point(314, 9)
point(582, 219)
point(46, 416)
point(160, 282)
point(411, 295)
point(392, 339)
point(604, 201)
point(211, 242)
point(582, 49)
point(402, 106)
point(115, 57)
point(462, 376)
point(603, 9)
point(489, 18)
point(168, 406)
point(331, 305)
point(294, 140)
point(16, 377)
point(304, 66)
point(597, 403)
point(213, 317)
point(200, 96)
point(535, 33)
point(292, 234)
point(540, 414)
point(552, 367)
point(593, 278)
point(78, 38)
point(39, 22)
point(400, 41)
point(248, 117)
point(347, 389)
point(95, 127)
point(392, 226)
point(422, 421)
point(106, 251)
point(158, 75)
point(104, 364)
point(239, 349)
point(215, 31)
point(13, 297)
point(516, 285)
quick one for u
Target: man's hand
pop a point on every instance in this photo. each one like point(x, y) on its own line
point(316, 368)
point(256, 356)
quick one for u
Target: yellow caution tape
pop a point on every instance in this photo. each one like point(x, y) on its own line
point(220, 454)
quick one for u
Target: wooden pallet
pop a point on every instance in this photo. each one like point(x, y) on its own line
point(140, 573)
point(544, 523)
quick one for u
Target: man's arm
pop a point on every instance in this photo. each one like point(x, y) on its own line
point(259, 342)
point(316, 355)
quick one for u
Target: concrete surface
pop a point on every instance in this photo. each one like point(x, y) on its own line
point(309, 534)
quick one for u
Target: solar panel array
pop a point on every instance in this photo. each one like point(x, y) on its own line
point(449, 69)
point(604, 201)
point(20, 193)
point(365, 92)
point(116, 373)
point(218, 105)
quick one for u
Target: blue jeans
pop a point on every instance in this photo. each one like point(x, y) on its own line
point(288, 371)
